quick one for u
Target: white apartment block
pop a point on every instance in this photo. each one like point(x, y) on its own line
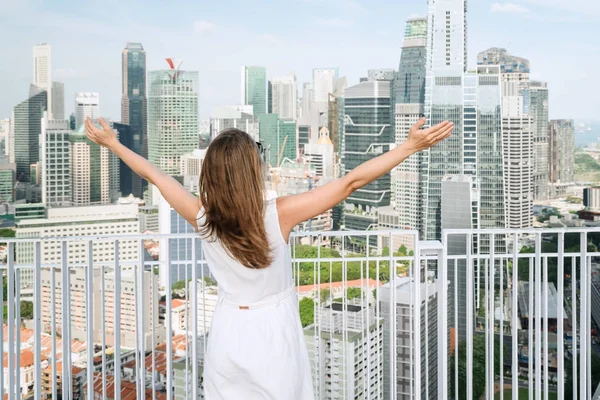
point(207, 298)
point(74, 222)
point(130, 307)
point(346, 352)
point(323, 83)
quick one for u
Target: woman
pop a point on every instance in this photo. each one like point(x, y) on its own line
point(256, 347)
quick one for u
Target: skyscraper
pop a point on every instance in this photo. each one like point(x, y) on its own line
point(533, 102)
point(55, 162)
point(87, 104)
point(26, 128)
point(561, 160)
point(42, 71)
point(172, 116)
point(409, 107)
point(228, 117)
point(285, 96)
point(367, 134)
point(254, 88)
point(134, 107)
point(307, 97)
point(323, 83)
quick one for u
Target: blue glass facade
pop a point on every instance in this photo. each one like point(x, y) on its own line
point(27, 129)
point(134, 110)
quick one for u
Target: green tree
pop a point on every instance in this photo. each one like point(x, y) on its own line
point(180, 285)
point(7, 233)
point(385, 251)
point(210, 281)
point(479, 367)
point(26, 310)
point(307, 311)
point(402, 250)
point(353, 293)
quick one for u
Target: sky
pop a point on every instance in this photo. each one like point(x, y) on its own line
point(559, 37)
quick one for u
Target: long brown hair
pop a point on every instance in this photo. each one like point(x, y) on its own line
point(233, 196)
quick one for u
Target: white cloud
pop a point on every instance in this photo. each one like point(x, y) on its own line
point(204, 27)
point(333, 22)
point(511, 8)
point(587, 7)
point(268, 38)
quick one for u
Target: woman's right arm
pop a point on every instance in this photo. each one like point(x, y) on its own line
point(298, 208)
point(174, 193)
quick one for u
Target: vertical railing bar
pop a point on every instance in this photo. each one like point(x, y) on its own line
point(65, 318)
point(456, 335)
point(138, 328)
point(492, 312)
point(368, 330)
point(546, 351)
point(89, 296)
point(194, 309)
point(538, 316)
point(104, 323)
point(470, 315)
point(117, 322)
point(10, 320)
point(501, 341)
point(153, 330)
point(37, 293)
point(487, 327)
point(17, 331)
point(169, 327)
point(393, 351)
point(560, 315)
point(442, 314)
point(53, 313)
point(417, 320)
point(530, 329)
point(583, 325)
point(316, 310)
point(588, 337)
point(515, 302)
point(142, 314)
point(187, 336)
point(574, 327)
point(426, 323)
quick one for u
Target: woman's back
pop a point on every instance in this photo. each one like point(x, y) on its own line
point(244, 285)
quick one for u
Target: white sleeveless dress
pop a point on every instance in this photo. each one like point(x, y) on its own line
point(256, 348)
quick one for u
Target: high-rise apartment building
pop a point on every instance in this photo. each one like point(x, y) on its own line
point(134, 106)
point(26, 128)
point(285, 96)
point(7, 183)
point(323, 83)
point(405, 339)
point(347, 353)
point(367, 134)
point(172, 117)
point(409, 88)
point(55, 162)
point(254, 88)
point(307, 97)
point(562, 155)
point(86, 105)
point(538, 109)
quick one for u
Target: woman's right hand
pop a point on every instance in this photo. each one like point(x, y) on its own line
point(422, 139)
point(104, 137)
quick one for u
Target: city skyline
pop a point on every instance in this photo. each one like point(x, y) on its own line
point(375, 29)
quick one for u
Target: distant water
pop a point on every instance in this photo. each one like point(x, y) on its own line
point(588, 137)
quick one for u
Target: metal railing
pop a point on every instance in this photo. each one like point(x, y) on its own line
point(481, 313)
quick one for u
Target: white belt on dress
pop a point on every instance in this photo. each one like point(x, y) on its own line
point(266, 302)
